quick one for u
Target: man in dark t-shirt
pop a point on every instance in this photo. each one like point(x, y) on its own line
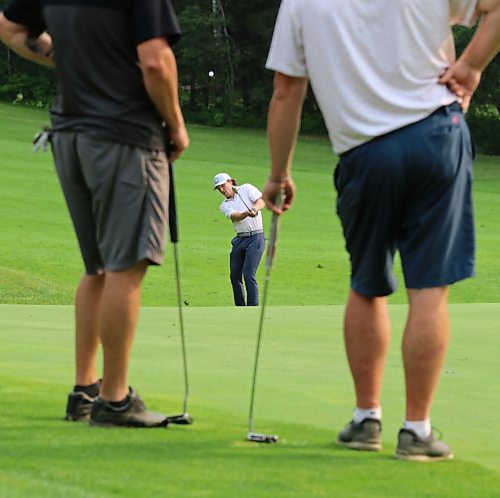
point(117, 106)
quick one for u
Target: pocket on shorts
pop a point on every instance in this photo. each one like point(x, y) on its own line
point(450, 145)
point(135, 175)
point(347, 182)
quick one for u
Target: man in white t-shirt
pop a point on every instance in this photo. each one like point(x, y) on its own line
point(243, 205)
point(392, 95)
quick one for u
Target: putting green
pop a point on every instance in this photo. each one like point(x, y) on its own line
point(304, 394)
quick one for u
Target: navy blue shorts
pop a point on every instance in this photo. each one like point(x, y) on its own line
point(411, 191)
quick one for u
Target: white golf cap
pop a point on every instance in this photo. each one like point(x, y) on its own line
point(220, 179)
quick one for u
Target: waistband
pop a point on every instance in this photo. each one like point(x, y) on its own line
point(443, 110)
point(446, 109)
point(249, 234)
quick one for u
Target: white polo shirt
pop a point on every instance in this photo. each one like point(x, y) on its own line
point(250, 195)
point(373, 65)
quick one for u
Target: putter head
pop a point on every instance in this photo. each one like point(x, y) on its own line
point(183, 419)
point(256, 437)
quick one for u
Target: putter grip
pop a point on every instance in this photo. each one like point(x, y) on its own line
point(273, 234)
point(172, 207)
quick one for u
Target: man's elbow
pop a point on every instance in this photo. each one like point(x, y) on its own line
point(152, 68)
point(289, 87)
point(10, 31)
point(154, 57)
point(486, 6)
point(4, 29)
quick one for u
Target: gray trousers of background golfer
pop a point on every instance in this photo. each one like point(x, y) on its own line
point(244, 261)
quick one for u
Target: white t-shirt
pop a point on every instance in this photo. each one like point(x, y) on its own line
point(250, 195)
point(373, 65)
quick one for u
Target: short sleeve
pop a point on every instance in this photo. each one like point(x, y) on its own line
point(286, 54)
point(155, 19)
point(463, 12)
point(26, 12)
point(254, 194)
point(227, 209)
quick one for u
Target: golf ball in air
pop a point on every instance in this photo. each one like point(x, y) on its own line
point(211, 74)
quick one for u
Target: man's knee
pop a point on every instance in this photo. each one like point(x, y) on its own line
point(236, 276)
point(249, 277)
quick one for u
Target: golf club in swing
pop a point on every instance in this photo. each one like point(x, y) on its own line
point(184, 418)
point(253, 436)
point(236, 191)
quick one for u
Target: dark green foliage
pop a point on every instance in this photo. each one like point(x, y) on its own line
point(231, 39)
point(489, 89)
point(483, 116)
point(484, 123)
point(23, 81)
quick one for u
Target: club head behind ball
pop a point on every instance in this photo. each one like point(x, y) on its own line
point(257, 437)
point(184, 419)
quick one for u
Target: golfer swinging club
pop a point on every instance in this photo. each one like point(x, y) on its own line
point(242, 205)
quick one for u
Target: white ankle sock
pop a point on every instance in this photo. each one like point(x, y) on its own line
point(361, 413)
point(422, 428)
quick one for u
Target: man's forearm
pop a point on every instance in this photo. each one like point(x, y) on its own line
point(283, 123)
point(160, 80)
point(486, 41)
point(17, 37)
point(237, 216)
point(259, 204)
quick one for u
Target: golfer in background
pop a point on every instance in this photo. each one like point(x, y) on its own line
point(392, 96)
point(243, 205)
point(117, 76)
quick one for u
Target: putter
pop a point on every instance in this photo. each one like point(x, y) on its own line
point(184, 418)
point(257, 437)
point(235, 190)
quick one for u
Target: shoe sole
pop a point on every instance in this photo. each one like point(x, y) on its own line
point(79, 418)
point(360, 446)
point(422, 458)
point(128, 426)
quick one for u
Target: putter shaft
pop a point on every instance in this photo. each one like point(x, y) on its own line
point(235, 190)
point(271, 249)
point(185, 418)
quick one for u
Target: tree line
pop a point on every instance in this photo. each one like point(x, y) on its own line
point(222, 78)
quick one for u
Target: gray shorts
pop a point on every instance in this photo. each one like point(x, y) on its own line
point(411, 191)
point(117, 196)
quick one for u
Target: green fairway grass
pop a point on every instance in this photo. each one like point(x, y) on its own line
point(40, 262)
point(304, 389)
point(303, 394)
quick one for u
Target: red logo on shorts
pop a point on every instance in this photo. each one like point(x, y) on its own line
point(455, 120)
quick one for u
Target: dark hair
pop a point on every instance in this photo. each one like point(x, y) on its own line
point(234, 182)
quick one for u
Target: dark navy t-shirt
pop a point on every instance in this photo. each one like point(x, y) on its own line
point(101, 89)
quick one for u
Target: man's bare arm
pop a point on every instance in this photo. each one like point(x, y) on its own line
point(159, 69)
point(17, 37)
point(259, 205)
point(464, 75)
point(283, 125)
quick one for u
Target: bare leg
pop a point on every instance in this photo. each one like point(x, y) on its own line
point(119, 313)
point(367, 335)
point(425, 344)
point(87, 310)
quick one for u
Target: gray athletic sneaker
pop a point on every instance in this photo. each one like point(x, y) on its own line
point(367, 435)
point(132, 414)
point(411, 447)
point(79, 406)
